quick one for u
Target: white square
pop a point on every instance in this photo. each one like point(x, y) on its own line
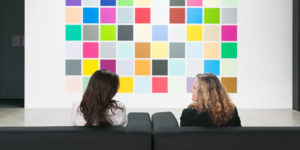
point(176, 85)
point(160, 16)
point(193, 67)
point(160, 3)
point(177, 33)
point(211, 3)
point(142, 33)
point(90, 3)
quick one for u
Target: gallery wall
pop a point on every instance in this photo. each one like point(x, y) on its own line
point(264, 62)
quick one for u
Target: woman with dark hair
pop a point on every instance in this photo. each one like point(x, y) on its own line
point(97, 107)
point(211, 105)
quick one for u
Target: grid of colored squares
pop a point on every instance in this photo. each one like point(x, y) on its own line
point(155, 46)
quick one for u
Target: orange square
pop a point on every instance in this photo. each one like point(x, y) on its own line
point(73, 15)
point(212, 50)
point(142, 50)
point(142, 67)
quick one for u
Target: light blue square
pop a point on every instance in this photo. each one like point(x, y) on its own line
point(142, 85)
point(176, 67)
point(194, 50)
point(125, 50)
point(159, 33)
point(194, 15)
point(90, 15)
point(212, 66)
point(125, 15)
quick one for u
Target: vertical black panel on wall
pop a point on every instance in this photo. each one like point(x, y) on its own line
point(296, 56)
point(11, 51)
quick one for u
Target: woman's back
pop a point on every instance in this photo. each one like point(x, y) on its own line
point(191, 117)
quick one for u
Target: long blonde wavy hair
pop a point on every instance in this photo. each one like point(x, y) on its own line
point(213, 98)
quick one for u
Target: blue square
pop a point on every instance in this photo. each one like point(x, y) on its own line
point(194, 15)
point(176, 67)
point(108, 2)
point(90, 15)
point(159, 33)
point(212, 66)
point(194, 50)
point(125, 50)
point(142, 85)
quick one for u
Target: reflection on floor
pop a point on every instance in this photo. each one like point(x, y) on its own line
point(62, 117)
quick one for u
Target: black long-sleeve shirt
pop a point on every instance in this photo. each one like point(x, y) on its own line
point(191, 117)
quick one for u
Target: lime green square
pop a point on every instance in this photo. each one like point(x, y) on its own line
point(85, 83)
point(125, 2)
point(211, 15)
point(108, 32)
point(73, 32)
point(229, 50)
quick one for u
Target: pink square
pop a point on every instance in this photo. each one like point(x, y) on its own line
point(159, 85)
point(229, 33)
point(73, 84)
point(194, 2)
point(90, 50)
point(108, 15)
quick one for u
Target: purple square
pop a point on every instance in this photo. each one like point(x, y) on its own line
point(108, 65)
point(108, 15)
point(189, 84)
point(73, 2)
point(229, 33)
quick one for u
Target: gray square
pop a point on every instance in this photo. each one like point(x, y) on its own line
point(159, 67)
point(177, 50)
point(177, 2)
point(73, 67)
point(229, 15)
point(90, 32)
point(125, 15)
point(90, 3)
point(108, 49)
point(125, 32)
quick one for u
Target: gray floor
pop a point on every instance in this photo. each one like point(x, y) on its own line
point(61, 117)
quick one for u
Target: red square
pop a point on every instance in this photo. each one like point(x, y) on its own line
point(159, 85)
point(177, 15)
point(142, 15)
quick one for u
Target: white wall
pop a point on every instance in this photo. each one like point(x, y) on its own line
point(264, 58)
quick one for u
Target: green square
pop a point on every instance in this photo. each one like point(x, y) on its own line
point(108, 32)
point(73, 32)
point(229, 3)
point(125, 2)
point(211, 15)
point(85, 83)
point(229, 50)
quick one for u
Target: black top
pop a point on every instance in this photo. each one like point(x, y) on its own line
point(191, 117)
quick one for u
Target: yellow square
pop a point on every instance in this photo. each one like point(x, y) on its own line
point(90, 66)
point(194, 33)
point(126, 85)
point(142, 3)
point(160, 50)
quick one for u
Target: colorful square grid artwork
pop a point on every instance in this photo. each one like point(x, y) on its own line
point(155, 46)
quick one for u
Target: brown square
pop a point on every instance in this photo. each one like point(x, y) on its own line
point(142, 50)
point(230, 84)
point(177, 15)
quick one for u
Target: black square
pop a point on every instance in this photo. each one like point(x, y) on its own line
point(159, 67)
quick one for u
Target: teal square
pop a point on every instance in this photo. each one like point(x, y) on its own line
point(176, 67)
point(85, 83)
point(125, 50)
point(142, 85)
point(73, 32)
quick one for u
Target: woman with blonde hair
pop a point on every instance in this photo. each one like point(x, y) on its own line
point(211, 105)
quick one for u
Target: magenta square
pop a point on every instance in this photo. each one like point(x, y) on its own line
point(108, 15)
point(229, 33)
point(194, 2)
point(108, 65)
point(189, 84)
point(90, 50)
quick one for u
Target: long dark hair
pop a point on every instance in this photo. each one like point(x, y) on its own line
point(97, 98)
